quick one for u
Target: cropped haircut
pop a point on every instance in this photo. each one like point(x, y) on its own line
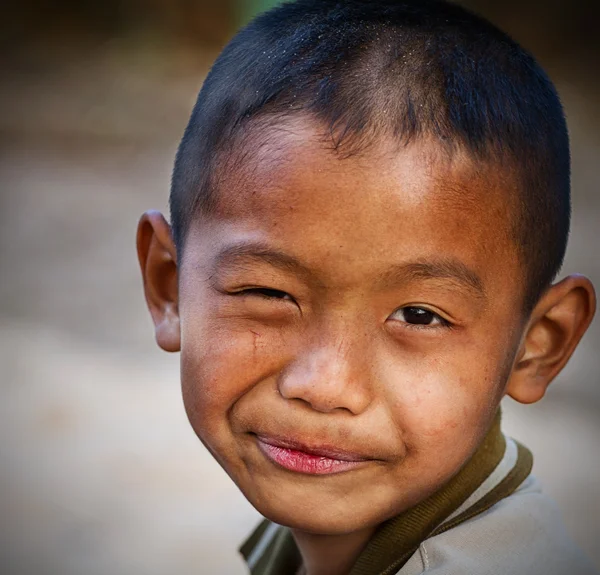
point(400, 69)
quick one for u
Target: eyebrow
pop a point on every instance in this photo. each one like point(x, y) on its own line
point(449, 269)
point(443, 268)
point(235, 254)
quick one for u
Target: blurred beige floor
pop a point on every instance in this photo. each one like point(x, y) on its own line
point(99, 470)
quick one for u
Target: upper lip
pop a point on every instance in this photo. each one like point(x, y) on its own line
point(316, 450)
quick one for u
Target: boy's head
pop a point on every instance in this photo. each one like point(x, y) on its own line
point(369, 205)
point(400, 70)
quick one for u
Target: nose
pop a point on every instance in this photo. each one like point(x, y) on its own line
point(329, 377)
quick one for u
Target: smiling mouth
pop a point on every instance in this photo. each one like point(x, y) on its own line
point(311, 461)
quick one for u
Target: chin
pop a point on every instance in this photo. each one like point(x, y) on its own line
point(320, 524)
point(323, 518)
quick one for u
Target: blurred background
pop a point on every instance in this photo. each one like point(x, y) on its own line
point(99, 470)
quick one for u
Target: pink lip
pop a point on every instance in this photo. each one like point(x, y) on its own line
point(313, 461)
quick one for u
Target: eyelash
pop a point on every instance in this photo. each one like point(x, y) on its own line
point(266, 293)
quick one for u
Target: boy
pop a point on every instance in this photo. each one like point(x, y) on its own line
point(369, 206)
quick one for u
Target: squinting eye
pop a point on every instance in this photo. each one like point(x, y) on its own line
point(418, 316)
point(267, 293)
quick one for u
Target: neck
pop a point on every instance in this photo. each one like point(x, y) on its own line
point(330, 554)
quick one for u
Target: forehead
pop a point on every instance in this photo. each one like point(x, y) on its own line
point(284, 184)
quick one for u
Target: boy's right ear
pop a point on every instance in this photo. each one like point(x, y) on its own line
point(158, 261)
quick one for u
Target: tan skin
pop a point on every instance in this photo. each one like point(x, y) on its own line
point(372, 304)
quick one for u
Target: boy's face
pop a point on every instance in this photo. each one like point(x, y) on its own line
point(365, 310)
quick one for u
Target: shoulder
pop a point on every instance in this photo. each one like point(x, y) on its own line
point(522, 533)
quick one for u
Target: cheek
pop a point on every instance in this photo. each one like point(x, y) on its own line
point(447, 399)
point(221, 361)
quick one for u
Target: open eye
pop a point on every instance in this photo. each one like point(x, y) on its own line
point(418, 316)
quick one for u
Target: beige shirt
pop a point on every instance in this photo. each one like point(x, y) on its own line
point(522, 534)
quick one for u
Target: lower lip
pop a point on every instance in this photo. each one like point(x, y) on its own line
point(302, 462)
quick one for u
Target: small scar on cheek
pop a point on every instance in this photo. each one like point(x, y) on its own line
point(255, 337)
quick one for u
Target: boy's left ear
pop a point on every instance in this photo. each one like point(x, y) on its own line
point(555, 327)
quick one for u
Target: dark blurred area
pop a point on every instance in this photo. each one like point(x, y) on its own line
point(555, 30)
point(74, 23)
point(99, 471)
point(559, 32)
point(179, 38)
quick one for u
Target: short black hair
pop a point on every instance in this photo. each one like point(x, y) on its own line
point(401, 68)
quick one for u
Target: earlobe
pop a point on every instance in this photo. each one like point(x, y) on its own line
point(158, 262)
point(557, 324)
